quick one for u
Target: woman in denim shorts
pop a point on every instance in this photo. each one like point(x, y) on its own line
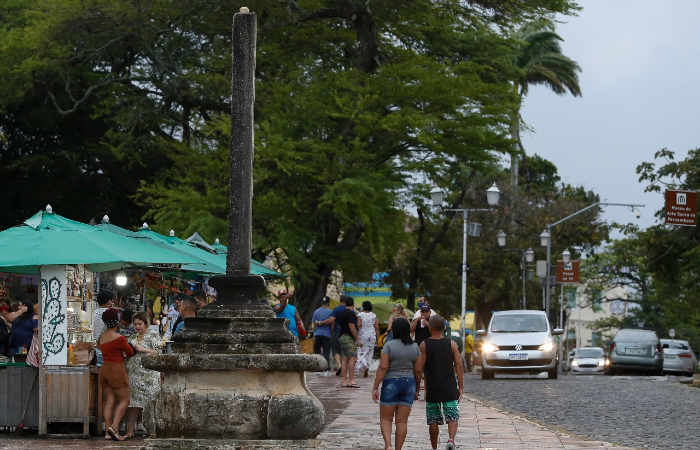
point(397, 374)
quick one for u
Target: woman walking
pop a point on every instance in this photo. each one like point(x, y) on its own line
point(144, 383)
point(398, 311)
point(112, 375)
point(399, 374)
point(368, 334)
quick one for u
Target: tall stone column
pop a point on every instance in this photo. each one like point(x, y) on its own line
point(235, 378)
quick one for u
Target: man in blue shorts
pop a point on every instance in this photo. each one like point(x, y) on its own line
point(444, 382)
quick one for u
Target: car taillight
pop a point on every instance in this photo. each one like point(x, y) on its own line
point(685, 355)
point(612, 346)
point(658, 348)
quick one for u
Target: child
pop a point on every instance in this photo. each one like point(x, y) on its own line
point(441, 362)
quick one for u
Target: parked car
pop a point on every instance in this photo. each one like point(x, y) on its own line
point(519, 341)
point(678, 357)
point(635, 350)
point(588, 360)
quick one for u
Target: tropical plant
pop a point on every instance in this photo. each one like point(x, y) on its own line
point(541, 62)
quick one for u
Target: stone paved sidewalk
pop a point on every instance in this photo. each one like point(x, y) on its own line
point(481, 427)
point(352, 422)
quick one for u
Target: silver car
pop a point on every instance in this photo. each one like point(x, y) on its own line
point(636, 350)
point(588, 360)
point(678, 357)
point(519, 341)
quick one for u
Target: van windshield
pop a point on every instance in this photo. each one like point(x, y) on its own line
point(518, 323)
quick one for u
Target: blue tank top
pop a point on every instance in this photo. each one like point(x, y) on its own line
point(290, 312)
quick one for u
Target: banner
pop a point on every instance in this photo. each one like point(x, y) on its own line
point(54, 326)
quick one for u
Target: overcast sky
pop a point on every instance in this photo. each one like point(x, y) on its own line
point(641, 69)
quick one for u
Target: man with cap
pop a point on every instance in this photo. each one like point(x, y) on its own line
point(322, 333)
point(335, 340)
point(286, 311)
point(423, 301)
point(420, 326)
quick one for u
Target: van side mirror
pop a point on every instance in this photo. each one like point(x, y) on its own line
point(557, 331)
point(481, 332)
point(606, 343)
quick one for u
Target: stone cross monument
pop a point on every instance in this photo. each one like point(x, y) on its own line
point(235, 378)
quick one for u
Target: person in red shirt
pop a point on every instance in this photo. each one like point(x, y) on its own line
point(113, 377)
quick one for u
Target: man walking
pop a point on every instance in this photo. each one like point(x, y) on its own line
point(335, 340)
point(441, 362)
point(420, 326)
point(322, 333)
point(348, 325)
point(468, 349)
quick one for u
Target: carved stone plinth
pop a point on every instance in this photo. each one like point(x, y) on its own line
point(235, 379)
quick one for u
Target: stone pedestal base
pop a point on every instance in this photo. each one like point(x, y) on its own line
point(238, 404)
point(231, 444)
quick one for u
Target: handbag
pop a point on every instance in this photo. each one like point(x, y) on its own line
point(33, 354)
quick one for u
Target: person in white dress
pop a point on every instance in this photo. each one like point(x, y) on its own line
point(368, 335)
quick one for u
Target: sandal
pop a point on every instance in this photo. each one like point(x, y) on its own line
point(114, 435)
point(354, 386)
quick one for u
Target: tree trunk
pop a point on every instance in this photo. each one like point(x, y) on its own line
point(307, 295)
point(515, 153)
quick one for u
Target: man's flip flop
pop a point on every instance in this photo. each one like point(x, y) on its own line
point(354, 386)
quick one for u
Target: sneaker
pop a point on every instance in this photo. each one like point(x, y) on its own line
point(319, 373)
point(326, 374)
point(450, 445)
point(141, 429)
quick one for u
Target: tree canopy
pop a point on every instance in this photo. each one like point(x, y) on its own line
point(359, 106)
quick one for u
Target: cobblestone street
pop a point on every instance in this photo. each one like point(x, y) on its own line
point(637, 411)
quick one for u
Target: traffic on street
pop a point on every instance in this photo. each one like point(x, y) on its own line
point(649, 412)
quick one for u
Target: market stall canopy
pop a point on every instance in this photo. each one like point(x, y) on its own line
point(164, 244)
point(214, 261)
point(256, 268)
point(50, 239)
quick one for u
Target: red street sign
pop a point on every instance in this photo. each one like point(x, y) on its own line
point(568, 272)
point(682, 208)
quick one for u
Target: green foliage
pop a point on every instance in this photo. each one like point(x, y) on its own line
point(659, 265)
point(355, 102)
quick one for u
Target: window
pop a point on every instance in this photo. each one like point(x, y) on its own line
point(596, 339)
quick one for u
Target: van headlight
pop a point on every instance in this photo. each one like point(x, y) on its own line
point(547, 347)
point(489, 348)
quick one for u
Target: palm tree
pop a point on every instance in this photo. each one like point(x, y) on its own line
point(540, 61)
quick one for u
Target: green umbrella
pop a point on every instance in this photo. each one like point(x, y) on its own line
point(50, 239)
point(256, 268)
point(214, 261)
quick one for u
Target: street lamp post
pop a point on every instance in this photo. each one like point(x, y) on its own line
point(546, 241)
point(492, 197)
point(527, 256)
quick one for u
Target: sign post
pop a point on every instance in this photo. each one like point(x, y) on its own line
point(682, 208)
point(568, 272)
